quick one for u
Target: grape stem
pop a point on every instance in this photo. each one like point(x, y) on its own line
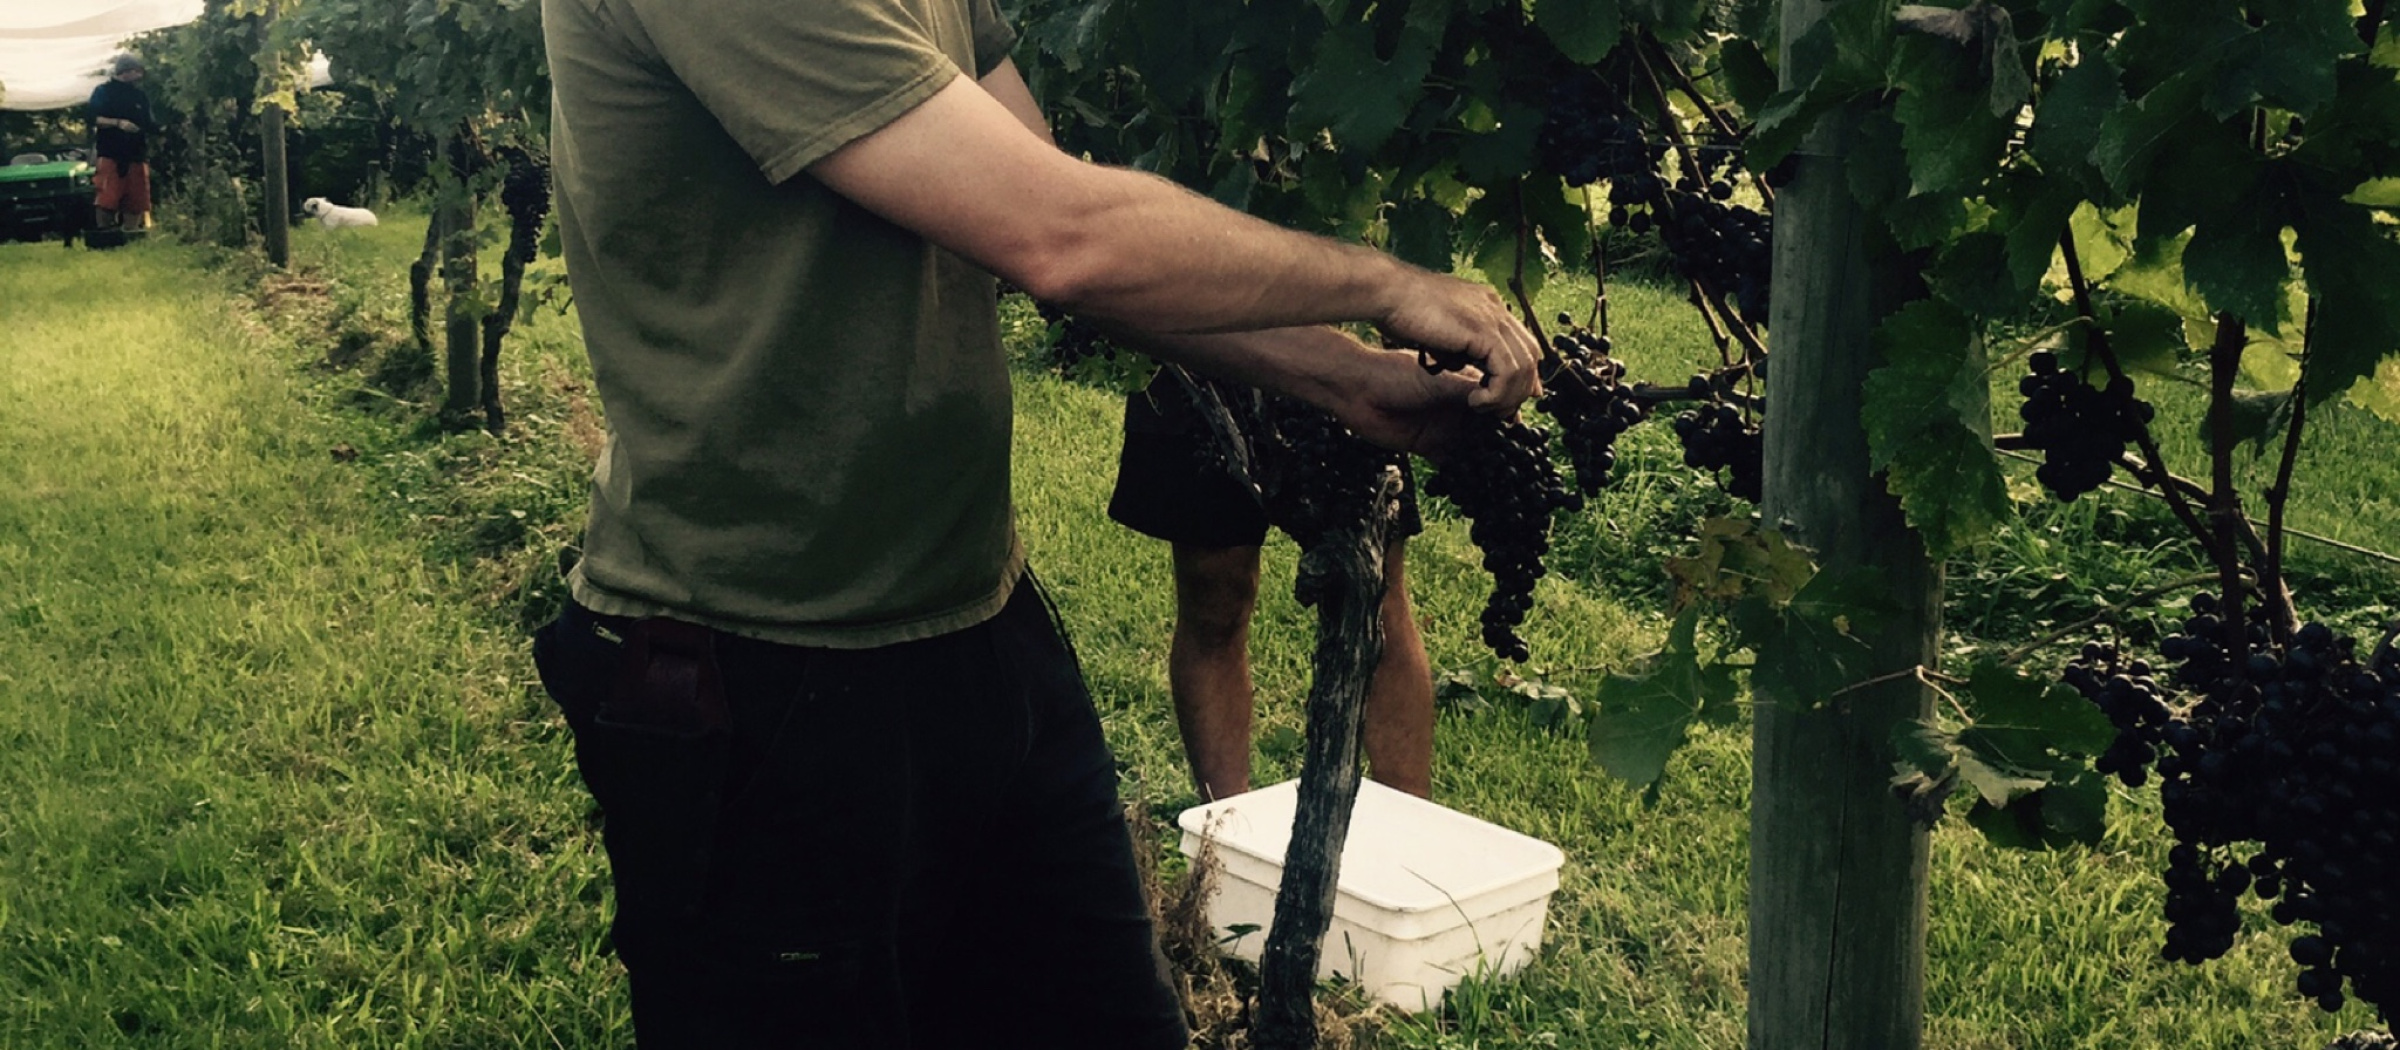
point(1925, 676)
point(2153, 460)
point(1683, 82)
point(1667, 121)
point(1691, 166)
point(2225, 501)
point(2008, 444)
point(1516, 283)
point(2279, 595)
point(1599, 321)
point(2132, 601)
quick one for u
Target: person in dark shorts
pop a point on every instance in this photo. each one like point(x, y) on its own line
point(855, 794)
point(121, 129)
point(1169, 488)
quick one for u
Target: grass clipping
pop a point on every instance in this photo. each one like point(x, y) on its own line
point(1218, 991)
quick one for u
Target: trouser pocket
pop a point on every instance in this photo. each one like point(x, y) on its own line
point(646, 703)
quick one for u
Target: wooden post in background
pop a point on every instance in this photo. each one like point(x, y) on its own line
point(275, 200)
point(1837, 868)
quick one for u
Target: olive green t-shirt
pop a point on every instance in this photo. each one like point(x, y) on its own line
point(808, 406)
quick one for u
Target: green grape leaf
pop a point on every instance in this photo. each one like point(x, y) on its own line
point(2025, 752)
point(1559, 214)
point(1584, 30)
point(1422, 232)
point(2350, 259)
point(2213, 172)
point(2236, 261)
point(1928, 420)
point(1504, 153)
point(1503, 251)
point(2156, 276)
point(1939, 753)
point(1739, 559)
point(1179, 47)
point(1748, 75)
point(1810, 650)
point(2030, 723)
point(2377, 193)
point(2103, 240)
point(1877, 173)
point(2035, 229)
point(1877, 168)
point(1640, 718)
point(1839, 58)
point(2287, 62)
point(2146, 337)
point(2071, 812)
point(2257, 415)
point(2131, 135)
point(2381, 395)
point(1982, 28)
point(2069, 18)
point(1973, 274)
point(1360, 98)
point(2066, 125)
point(1952, 138)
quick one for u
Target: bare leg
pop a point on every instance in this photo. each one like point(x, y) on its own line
point(1399, 716)
point(1208, 668)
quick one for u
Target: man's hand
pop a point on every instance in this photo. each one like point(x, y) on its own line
point(1395, 403)
point(1445, 313)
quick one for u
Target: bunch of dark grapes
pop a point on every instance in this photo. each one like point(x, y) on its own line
point(1716, 437)
point(1073, 342)
point(1633, 197)
point(1588, 397)
point(525, 192)
point(1502, 478)
point(2281, 778)
point(1590, 135)
point(2129, 693)
point(1317, 476)
point(1724, 246)
point(2080, 430)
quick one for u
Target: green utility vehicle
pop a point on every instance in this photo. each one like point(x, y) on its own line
point(44, 193)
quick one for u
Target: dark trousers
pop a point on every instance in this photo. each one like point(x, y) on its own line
point(916, 847)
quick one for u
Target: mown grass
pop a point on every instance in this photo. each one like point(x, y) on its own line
point(276, 775)
point(272, 780)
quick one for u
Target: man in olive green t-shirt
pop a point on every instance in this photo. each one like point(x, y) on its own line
point(856, 794)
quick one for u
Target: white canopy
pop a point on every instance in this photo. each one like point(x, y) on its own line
point(53, 52)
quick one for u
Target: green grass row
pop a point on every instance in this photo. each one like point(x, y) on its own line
point(274, 773)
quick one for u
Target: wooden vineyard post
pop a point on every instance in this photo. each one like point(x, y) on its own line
point(1837, 867)
point(275, 201)
point(1343, 576)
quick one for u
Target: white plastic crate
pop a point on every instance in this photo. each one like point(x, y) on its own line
point(1427, 895)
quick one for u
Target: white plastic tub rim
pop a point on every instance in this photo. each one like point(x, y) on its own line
point(1493, 868)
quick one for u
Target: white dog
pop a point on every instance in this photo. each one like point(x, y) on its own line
point(334, 216)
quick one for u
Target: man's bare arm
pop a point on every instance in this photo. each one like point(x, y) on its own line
point(1381, 395)
point(969, 171)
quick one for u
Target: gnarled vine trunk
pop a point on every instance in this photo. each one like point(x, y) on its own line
point(1343, 576)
